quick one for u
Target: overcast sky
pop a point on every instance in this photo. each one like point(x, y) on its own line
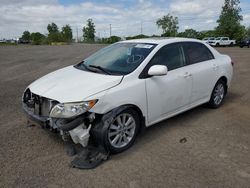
point(127, 17)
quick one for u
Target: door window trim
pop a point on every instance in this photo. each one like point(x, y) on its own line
point(144, 73)
point(186, 54)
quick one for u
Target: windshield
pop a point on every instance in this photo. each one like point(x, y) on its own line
point(119, 58)
point(218, 38)
point(212, 38)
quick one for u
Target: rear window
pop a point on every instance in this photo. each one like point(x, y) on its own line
point(197, 52)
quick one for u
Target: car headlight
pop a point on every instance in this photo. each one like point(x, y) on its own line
point(68, 110)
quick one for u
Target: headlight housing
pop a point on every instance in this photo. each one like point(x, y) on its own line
point(68, 110)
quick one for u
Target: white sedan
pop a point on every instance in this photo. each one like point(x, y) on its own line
point(111, 95)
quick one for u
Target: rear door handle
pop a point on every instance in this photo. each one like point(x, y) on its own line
point(187, 75)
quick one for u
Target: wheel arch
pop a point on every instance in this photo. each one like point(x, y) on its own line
point(102, 123)
point(225, 80)
point(135, 108)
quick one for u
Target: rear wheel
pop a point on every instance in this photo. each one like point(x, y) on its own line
point(218, 94)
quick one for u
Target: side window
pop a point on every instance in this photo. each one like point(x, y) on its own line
point(197, 52)
point(170, 55)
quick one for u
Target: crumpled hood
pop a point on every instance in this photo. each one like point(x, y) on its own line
point(72, 85)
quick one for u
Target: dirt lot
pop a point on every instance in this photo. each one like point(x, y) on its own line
point(216, 154)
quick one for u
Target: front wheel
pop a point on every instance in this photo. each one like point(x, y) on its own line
point(218, 94)
point(122, 131)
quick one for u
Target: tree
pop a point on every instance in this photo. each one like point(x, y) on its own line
point(229, 21)
point(169, 25)
point(189, 33)
point(248, 32)
point(54, 34)
point(37, 38)
point(89, 31)
point(141, 36)
point(209, 33)
point(26, 36)
point(66, 33)
point(111, 39)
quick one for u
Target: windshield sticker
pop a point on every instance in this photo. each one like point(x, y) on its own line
point(129, 51)
point(148, 46)
point(134, 59)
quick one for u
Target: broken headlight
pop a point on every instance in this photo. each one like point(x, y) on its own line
point(68, 110)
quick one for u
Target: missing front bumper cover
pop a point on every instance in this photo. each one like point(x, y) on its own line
point(90, 157)
point(78, 129)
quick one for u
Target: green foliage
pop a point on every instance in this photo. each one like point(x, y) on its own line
point(229, 21)
point(66, 33)
point(38, 38)
point(191, 33)
point(54, 34)
point(26, 36)
point(111, 40)
point(248, 31)
point(169, 25)
point(188, 33)
point(137, 37)
point(89, 31)
point(209, 33)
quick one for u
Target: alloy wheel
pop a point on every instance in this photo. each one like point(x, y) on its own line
point(122, 130)
point(219, 94)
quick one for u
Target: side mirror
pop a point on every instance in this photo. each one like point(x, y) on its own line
point(157, 70)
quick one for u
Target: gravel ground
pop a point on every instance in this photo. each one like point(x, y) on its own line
point(216, 152)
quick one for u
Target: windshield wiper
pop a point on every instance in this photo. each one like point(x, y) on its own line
point(100, 68)
point(86, 67)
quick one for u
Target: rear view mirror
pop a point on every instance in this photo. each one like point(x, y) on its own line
point(158, 70)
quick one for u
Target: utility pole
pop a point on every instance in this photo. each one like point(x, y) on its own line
point(141, 27)
point(76, 34)
point(110, 30)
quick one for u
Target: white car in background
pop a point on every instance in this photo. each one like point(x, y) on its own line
point(111, 95)
point(222, 41)
point(208, 39)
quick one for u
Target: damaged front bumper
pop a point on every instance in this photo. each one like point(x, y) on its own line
point(77, 128)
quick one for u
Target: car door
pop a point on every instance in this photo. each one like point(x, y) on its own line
point(204, 69)
point(168, 93)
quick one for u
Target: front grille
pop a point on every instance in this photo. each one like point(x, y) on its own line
point(38, 105)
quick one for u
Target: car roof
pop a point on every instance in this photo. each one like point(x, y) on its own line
point(161, 40)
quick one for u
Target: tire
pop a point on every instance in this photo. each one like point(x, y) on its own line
point(218, 94)
point(217, 44)
point(118, 137)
